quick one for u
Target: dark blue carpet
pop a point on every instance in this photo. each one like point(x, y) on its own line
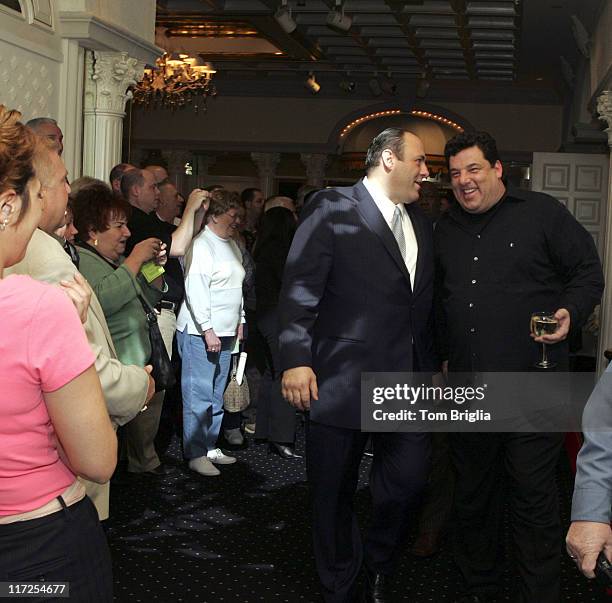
point(244, 537)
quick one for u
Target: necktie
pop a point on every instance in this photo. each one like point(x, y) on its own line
point(398, 231)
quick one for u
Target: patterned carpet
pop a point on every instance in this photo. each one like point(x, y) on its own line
point(244, 537)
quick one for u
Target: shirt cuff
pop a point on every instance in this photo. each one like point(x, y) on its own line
point(592, 504)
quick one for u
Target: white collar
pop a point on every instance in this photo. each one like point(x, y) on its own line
point(384, 204)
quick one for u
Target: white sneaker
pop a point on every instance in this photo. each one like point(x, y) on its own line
point(216, 456)
point(203, 466)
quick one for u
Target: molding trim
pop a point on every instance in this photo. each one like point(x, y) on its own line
point(94, 33)
point(218, 146)
point(47, 52)
point(604, 109)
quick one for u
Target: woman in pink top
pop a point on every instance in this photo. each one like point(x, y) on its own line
point(53, 420)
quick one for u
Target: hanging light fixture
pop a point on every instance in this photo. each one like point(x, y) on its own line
point(176, 81)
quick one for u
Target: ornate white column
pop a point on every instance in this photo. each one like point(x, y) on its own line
point(266, 164)
point(108, 75)
point(315, 164)
point(70, 110)
point(604, 110)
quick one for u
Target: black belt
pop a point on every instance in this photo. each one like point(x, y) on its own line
point(166, 305)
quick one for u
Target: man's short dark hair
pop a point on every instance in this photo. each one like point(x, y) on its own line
point(117, 172)
point(248, 194)
point(129, 179)
point(483, 140)
point(392, 139)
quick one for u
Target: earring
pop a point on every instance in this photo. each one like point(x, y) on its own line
point(4, 223)
point(95, 242)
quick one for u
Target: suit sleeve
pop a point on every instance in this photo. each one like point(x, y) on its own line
point(125, 386)
point(304, 280)
point(592, 500)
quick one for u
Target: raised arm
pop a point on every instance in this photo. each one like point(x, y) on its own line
point(191, 222)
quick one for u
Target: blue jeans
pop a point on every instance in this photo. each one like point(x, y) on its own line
point(203, 379)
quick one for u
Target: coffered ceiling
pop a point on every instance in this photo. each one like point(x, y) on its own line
point(456, 47)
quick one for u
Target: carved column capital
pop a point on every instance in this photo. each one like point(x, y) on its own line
point(266, 163)
point(109, 75)
point(315, 164)
point(604, 109)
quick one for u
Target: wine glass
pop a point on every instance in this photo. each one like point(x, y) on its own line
point(544, 323)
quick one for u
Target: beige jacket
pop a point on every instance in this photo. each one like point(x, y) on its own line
point(125, 387)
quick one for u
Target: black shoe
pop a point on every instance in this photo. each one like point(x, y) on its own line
point(283, 450)
point(471, 599)
point(160, 471)
point(376, 588)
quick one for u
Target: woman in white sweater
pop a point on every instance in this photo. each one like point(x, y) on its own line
point(208, 323)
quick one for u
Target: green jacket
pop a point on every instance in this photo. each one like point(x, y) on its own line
point(118, 290)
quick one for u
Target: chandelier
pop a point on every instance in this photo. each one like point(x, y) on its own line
point(177, 80)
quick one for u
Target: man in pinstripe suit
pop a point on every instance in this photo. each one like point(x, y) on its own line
point(357, 297)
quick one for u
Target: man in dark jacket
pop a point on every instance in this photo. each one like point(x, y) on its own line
point(356, 297)
point(502, 254)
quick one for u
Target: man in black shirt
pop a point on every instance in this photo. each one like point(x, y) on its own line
point(502, 254)
point(168, 210)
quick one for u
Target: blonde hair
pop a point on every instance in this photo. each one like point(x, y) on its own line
point(18, 146)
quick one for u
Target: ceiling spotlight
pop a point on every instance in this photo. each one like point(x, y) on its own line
point(347, 86)
point(312, 84)
point(337, 19)
point(374, 86)
point(284, 19)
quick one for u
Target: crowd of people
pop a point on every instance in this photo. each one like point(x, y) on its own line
point(361, 283)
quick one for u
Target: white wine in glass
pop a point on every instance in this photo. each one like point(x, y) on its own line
point(544, 323)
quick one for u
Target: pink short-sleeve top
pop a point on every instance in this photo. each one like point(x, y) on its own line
point(42, 348)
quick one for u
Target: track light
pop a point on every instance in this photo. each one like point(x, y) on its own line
point(312, 84)
point(284, 19)
point(337, 19)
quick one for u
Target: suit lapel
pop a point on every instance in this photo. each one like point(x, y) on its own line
point(375, 221)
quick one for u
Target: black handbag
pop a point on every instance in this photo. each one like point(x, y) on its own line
point(162, 372)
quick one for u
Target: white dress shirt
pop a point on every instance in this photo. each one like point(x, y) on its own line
point(387, 209)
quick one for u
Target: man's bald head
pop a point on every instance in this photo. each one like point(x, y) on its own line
point(279, 201)
point(45, 127)
point(117, 173)
point(159, 172)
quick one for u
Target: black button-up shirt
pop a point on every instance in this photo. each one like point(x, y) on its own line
point(493, 270)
